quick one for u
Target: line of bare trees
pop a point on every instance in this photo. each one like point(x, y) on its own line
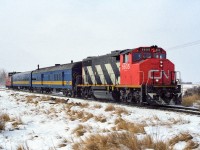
point(3, 75)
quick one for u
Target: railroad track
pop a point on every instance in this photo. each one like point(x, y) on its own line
point(187, 110)
point(172, 108)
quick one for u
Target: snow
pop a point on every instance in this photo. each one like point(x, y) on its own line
point(50, 125)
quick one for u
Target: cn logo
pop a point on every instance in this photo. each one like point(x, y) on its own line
point(161, 74)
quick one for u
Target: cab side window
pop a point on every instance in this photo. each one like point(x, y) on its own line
point(125, 58)
point(162, 56)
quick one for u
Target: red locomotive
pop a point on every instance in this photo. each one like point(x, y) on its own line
point(140, 75)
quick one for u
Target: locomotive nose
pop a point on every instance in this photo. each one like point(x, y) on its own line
point(161, 72)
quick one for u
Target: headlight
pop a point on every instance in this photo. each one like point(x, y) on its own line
point(157, 80)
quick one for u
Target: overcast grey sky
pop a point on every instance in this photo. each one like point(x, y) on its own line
point(48, 32)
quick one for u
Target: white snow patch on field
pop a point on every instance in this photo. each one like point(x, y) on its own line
point(49, 125)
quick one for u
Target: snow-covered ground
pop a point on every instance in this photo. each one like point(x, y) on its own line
point(39, 122)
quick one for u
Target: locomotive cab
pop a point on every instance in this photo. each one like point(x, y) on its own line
point(148, 68)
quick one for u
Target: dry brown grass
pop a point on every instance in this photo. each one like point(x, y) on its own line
point(178, 120)
point(20, 147)
point(23, 147)
point(101, 119)
point(87, 116)
point(120, 110)
point(181, 137)
point(68, 106)
point(98, 106)
point(190, 100)
point(148, 142)
point(2, 125)
point(84, 105)
point(5, 117)
point(32, 99)
point(118, 141)
point(155, 121)
point(110, 107)
point(79, 131)
point(31, 96)
point(191, 145)
point(83, 116)
point(45, 98)
point(128, 126)
point(17, 122)
point(60, 100)
point(62, 145)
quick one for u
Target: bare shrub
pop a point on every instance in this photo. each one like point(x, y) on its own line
point(118, 141)
point(128, 126)
point(110, 108)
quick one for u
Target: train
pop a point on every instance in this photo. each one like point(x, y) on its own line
point(141, 75)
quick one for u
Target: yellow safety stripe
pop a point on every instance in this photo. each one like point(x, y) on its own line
point(52, 82)
point(129, 86)
point(94, 85)
point(21, 82)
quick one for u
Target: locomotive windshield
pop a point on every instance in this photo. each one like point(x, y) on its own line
point(137, 56)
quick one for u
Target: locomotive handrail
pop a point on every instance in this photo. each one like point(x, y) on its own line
point(142, 76)
point(179, 75)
